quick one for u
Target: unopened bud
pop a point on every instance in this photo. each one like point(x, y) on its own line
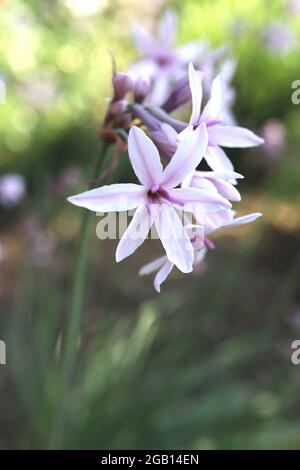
point(122, 84)
point(179, 95)
point(118, 107)
point(141, 88)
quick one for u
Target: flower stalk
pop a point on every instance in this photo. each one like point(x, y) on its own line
point(72, 336)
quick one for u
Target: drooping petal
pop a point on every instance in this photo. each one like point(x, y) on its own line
point(233, 136)
point(153, 266)
point(135, 234)
point(190, 197)
point(226, 189)
point(144, 158)
point(217, 159)
point(111, 198)
point(187, 157)
point(174, 238)
point(244, 219)
point(162, 274)
point(199, 256)
point(215, 105)
point(195, 80)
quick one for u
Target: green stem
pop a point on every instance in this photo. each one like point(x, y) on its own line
point(73, 326)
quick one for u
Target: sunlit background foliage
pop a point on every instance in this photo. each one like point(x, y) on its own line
point(207, 363)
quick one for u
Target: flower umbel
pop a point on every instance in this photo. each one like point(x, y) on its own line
point(174, 196)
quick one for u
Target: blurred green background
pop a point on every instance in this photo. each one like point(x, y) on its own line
point(207, 363)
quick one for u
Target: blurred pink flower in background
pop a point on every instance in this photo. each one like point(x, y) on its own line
point(278, 38)
point(39, 91)
point(12, 190)
point(292, 6)
point(2, 252)
point(68, 179)
point(274, 134)
point(43, 248)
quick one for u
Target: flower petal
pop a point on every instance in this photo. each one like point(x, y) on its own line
point(195, 80)
point(226, 189)
point(217, 159)
point(167, 29)
point(233, 136)
point(144, 158)
point(187, 157)
point(143, 41)
point(214, 107)
point(245, 219)
point(135, 234)
point(188, 197)
point(174, 238)
point(162, 274)
point(153, 266)
point(111, 198)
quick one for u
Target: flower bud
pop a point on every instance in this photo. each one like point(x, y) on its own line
point(141, 88)
point(118, 107)
point(122, 84)
point(180, 94)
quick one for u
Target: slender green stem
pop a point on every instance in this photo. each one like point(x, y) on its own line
point(72, 338)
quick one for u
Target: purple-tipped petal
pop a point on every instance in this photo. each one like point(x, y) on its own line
point(112, 198)
point(187, 157)
point(144, 158)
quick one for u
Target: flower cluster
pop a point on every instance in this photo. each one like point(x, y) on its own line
point(185, 204)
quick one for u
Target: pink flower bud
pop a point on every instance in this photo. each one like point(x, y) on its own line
point(122, 84)
point(141, 88)
point(118, 107)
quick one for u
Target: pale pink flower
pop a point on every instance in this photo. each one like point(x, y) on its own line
point(274, 133)
point(157, 199)
point(224, 218)
point(12, 189)
point(219, 134)
point(220, 182)
point(279, 38)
